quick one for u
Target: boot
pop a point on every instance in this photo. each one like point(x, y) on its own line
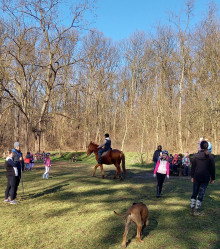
point(100, 160)
point(158, 192)
point(192, 206)
point(197, 211)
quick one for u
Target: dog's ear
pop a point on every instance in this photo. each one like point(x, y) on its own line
point(134, 203)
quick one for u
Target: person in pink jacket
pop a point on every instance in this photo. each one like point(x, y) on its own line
point(161, 171)
point(47, 165)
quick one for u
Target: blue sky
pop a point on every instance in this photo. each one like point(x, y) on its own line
point(118, 19)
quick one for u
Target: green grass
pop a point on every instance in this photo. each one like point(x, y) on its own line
point(74, 210)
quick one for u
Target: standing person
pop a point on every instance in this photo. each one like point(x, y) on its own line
point(186, 164)
point(18, 160)
point(175, 164)
point(170, 161)
point(12, 174)
point(107, 146)
point(27, 161)
point(157, 155)
point(203, 172)
point(161, 171)
point(31, 161)
point(47, 164)
point(179, 164)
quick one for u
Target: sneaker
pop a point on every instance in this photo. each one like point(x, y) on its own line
point(13, 202)
point(6, 201)
point(47, 176)
point(43, 176)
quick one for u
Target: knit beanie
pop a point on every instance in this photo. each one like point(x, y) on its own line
point(16, 144)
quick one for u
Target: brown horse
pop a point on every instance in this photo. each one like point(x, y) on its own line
point(109, 157)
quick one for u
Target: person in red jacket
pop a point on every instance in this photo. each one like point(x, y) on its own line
point(27, 161)
point(161, 171)
point(202, 172)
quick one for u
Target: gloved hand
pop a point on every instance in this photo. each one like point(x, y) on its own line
point(168, 176)
point(154, 175)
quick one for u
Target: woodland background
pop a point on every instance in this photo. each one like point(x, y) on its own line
point(63, 85)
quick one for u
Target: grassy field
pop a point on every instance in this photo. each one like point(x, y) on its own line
point(74, 210)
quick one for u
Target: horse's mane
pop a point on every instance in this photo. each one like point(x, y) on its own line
point(94, 143)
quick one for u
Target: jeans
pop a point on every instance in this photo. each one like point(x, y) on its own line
point(11, 189)
point(199, 189)
point(100, 152)
point(186, 170)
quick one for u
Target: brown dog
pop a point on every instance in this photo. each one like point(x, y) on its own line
point(137, 213)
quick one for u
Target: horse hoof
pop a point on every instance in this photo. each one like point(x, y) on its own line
point(121, 179)
point(103, 177)
point(139, 239)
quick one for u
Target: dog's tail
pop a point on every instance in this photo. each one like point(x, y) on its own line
point(122, 215)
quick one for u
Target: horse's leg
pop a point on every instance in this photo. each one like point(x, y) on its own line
point(119, 172)
point(116, 172)
point(102, 170)
point(95, 168)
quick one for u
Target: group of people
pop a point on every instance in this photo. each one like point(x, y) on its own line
point(178, 164)
point(202, 172)
point(15, 164)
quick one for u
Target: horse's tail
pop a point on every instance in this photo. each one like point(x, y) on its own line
point(123, 162)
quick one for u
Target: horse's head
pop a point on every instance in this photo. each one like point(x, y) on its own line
point(91, 148)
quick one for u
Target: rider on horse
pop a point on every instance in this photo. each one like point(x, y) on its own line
point(107, 146)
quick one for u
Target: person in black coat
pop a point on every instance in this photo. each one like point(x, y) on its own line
point(157, 155)
point(202, 172)
point(12, 174)
point(104, 147)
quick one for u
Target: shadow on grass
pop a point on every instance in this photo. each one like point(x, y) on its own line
point(48, 191)
point(169, 215)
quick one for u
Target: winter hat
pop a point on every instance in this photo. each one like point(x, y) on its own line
point(165, 152)
point(16, 144)
point(204, 145)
